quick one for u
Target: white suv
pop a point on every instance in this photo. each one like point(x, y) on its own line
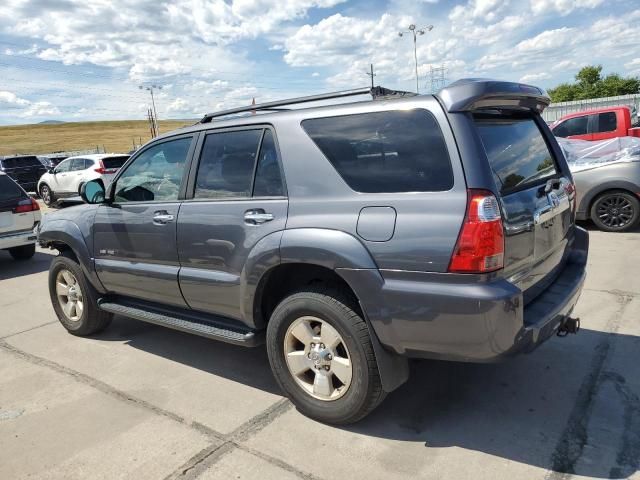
point(65, 179)
point(19, 215)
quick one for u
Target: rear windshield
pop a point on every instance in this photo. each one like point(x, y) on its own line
point(19, 162)
point(8, 189)
point(115, 162)
point(384, 152)
point(516, 149)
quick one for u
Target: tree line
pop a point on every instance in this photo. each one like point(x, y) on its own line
point(591, 84)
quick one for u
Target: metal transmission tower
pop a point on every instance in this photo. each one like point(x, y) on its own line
point(371, 74)
point(416, 31)
point(438, 77)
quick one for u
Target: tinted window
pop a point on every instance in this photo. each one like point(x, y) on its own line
point(226, 164)
point(401, 151)
point(21, 162)
point(268, 181)
point(607, 122)
point(77, 164)
point(573, 126)
point(8, 189)
point(114, 162)
point(156, 174)
point(516, 150)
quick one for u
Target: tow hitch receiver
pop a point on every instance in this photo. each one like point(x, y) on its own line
point(571, 325)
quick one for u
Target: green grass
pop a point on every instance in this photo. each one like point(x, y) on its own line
point(114, 136)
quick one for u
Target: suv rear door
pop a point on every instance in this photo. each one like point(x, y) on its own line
point(236, 197)
point(535, 193)
point(134, 236)
point(11, 195)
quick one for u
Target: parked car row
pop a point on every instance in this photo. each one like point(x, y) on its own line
point(58, 177)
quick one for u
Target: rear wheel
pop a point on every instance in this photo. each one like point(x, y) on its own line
point(615, 211)
point(24, 252)
point(46, 194)
point(74, 299)
point(321, 354)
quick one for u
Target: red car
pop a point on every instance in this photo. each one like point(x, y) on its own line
point(600, 124)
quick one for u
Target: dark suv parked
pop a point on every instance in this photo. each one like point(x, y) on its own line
point(348, 237)
point(26, 170)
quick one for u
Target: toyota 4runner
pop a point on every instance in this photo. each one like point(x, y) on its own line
point(346, 237)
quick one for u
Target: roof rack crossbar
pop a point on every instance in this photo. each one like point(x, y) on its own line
point(375, 92)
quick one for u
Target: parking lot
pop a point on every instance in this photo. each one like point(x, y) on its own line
point(139, 401)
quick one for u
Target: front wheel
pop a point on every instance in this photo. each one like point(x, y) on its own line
point(74, 299)
point(46, 194)
point(615, 211)
point(321, 354)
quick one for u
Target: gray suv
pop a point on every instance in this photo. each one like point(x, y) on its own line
point(348, 237)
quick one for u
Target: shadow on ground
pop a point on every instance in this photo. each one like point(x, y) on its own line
point(561, 408)
point(10, 268)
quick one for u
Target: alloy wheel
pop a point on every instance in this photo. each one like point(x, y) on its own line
point(317, 358)
point(615, 211)
point(69, 295)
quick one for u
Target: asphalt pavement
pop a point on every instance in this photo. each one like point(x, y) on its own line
point(142, 402)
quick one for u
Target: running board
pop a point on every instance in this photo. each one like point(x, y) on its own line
point(186, 323)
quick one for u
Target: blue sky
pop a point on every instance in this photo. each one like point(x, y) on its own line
point(80, 60)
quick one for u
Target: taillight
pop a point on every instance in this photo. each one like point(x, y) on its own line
point(101, 170)
point(480, 246)
point(28, 205)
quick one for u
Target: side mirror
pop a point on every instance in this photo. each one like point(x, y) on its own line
point(51, 170)
point(92, 192)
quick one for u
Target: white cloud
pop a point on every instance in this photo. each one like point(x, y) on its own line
point(534, 77)
point(10, 98)
point(481, 10)
point(563, 7)
point(633, 66)
point(24, 107)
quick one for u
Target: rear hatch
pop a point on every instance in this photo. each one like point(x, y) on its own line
point(111, 165)
point(26, 170)
point(11, 198)
point(535, 193)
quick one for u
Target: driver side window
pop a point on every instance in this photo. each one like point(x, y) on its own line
point(63, 166)
point(155, 175)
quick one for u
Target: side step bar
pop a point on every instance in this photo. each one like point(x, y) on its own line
point(209, 329)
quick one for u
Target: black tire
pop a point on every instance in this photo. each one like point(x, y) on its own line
point(47, 198)
point(24, 252)
point(365, 390)
point(92, 320)
point(615, 211)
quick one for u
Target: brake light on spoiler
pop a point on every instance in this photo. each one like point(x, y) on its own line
point(480, 245)
point(28, 205)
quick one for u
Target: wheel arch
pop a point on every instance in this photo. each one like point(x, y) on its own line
point(589, 198)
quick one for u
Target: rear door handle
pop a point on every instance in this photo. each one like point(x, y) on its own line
point(162, 217)
point(257, 217)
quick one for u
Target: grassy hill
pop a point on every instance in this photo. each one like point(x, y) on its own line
point(115, 136)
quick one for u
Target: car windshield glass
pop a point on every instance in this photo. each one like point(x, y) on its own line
point(8, 189)
point(517, 151)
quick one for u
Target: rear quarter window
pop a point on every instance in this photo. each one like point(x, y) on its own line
point(8, 189)
point(385, 152)
point(516, 149)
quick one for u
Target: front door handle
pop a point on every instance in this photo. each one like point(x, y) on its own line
point(162, 217)
point(257, 217)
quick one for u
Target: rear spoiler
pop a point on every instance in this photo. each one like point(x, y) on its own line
point(481, 93)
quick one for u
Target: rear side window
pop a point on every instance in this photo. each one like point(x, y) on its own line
point(517, 151)
point(20, 162)
point(114, 162)
point(607, 122)
point(226, 164)
point(385, 152)
point(77, 164)
point(8, 189)
point(268, 182)
point(573, 126)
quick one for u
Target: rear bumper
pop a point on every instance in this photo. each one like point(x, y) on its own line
point(17, 239)
point(444, 316)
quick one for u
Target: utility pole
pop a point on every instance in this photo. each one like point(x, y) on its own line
point(150, 89)
point(416, 31)
point(371, 74)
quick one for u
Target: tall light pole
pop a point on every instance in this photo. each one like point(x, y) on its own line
point(150, 88)
point(416, 31)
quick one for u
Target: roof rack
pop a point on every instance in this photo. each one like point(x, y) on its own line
point(375, 92)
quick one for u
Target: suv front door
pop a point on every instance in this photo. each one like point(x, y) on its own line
point(135, 234)
point(236, 198)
